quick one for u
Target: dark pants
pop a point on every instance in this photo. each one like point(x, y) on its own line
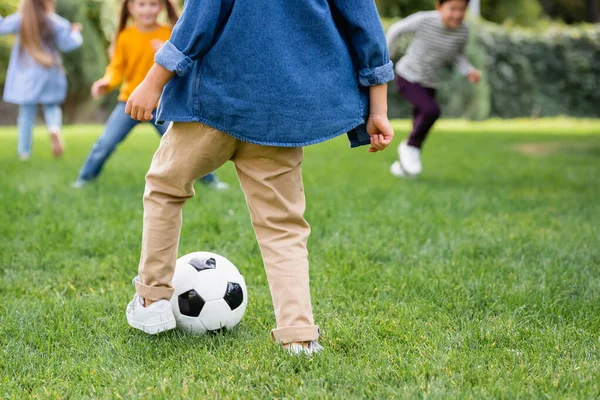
point(425, 109)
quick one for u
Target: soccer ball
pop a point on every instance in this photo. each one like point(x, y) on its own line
point(210, 293)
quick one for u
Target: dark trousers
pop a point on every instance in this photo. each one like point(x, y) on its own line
point(425, 109)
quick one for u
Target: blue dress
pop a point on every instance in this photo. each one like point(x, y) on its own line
point(28, 82)
point(275, 72)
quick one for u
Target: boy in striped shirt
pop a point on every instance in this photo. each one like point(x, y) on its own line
point(440, 39)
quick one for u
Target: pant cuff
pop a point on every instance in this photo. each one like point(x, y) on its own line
point(153, 293)
point(289, 334)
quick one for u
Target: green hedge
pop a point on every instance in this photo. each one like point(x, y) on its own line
point(84, 65)
point(554, 70)
point(549, 71)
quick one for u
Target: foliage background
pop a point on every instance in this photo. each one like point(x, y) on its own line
point(532, 66)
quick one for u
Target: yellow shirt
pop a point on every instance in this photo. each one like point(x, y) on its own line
point(133, 58)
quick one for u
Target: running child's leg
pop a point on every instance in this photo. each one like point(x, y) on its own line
point(25, 122)
point(187, 152)
point(116, 130)
point(426, 109)
point(53, 117)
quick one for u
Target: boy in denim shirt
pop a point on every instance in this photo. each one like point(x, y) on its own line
point(252, 81)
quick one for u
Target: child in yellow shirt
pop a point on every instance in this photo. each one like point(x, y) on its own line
point(133, 57)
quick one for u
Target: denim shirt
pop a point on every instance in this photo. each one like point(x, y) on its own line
point(275, 72)
point(28, 82)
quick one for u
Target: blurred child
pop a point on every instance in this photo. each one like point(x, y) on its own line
point(440, 39)
point(131, 58)
point(35, 73)
point(253, 81)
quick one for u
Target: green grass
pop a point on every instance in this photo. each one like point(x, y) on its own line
point(480, 279)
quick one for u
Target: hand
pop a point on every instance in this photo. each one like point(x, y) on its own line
point(381, 131)
point(142, 101)
point(474, 76)
point(77, 27)
point(99, 87)
point(157, 44)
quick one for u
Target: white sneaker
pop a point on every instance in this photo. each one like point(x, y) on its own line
point(219, 185)
point(410, 158)
point(313, 348)
point(397, 171)
point(79, 183)
point(157, 317)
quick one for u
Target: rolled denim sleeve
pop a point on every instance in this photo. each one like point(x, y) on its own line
point(193, 35)
point(361, 23)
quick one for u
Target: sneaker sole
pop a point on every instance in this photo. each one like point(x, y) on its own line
point(153, 329)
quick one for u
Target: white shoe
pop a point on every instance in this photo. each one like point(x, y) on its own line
point(157, 317)
point(215, 184)
point(410, 158)
point(24, 156)
point(219, 185)
point(397, 171)
point(313, 348)
point(79, 183)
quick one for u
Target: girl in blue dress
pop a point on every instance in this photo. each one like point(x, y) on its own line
point(35, 73)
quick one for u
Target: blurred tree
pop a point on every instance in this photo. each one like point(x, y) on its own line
point(8, 7)
point(520, 12)
point(85, 64)
point(572, 11)
point(592, 10)
point(402, 8)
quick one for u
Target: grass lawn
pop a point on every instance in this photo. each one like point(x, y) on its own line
point(480, 279)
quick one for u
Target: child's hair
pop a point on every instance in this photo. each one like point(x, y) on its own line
point(36, 36)
point(124, 15)
point(445, 1)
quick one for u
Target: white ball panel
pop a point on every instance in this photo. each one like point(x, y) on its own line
point(210, 284)
point(215, 315)
point(184, 278)
point(190, 324)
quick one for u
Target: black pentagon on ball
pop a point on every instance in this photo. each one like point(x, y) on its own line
point(201, 265)
point(234, 296)
point(190, 303)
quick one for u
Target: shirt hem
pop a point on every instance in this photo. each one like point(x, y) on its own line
point(211, 124)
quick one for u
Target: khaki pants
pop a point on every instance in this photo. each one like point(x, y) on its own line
point(271, 178)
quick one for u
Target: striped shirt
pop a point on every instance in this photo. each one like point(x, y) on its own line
point(433, 47)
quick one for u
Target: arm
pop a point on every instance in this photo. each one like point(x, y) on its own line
point(465, 68)
point(193, 34)
point(146, 95)
point(360, 21)
point(67, 36)
point(115, 70)
point(10, 25)
point(405, 25)
point(191, 38)
point(378, 125)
